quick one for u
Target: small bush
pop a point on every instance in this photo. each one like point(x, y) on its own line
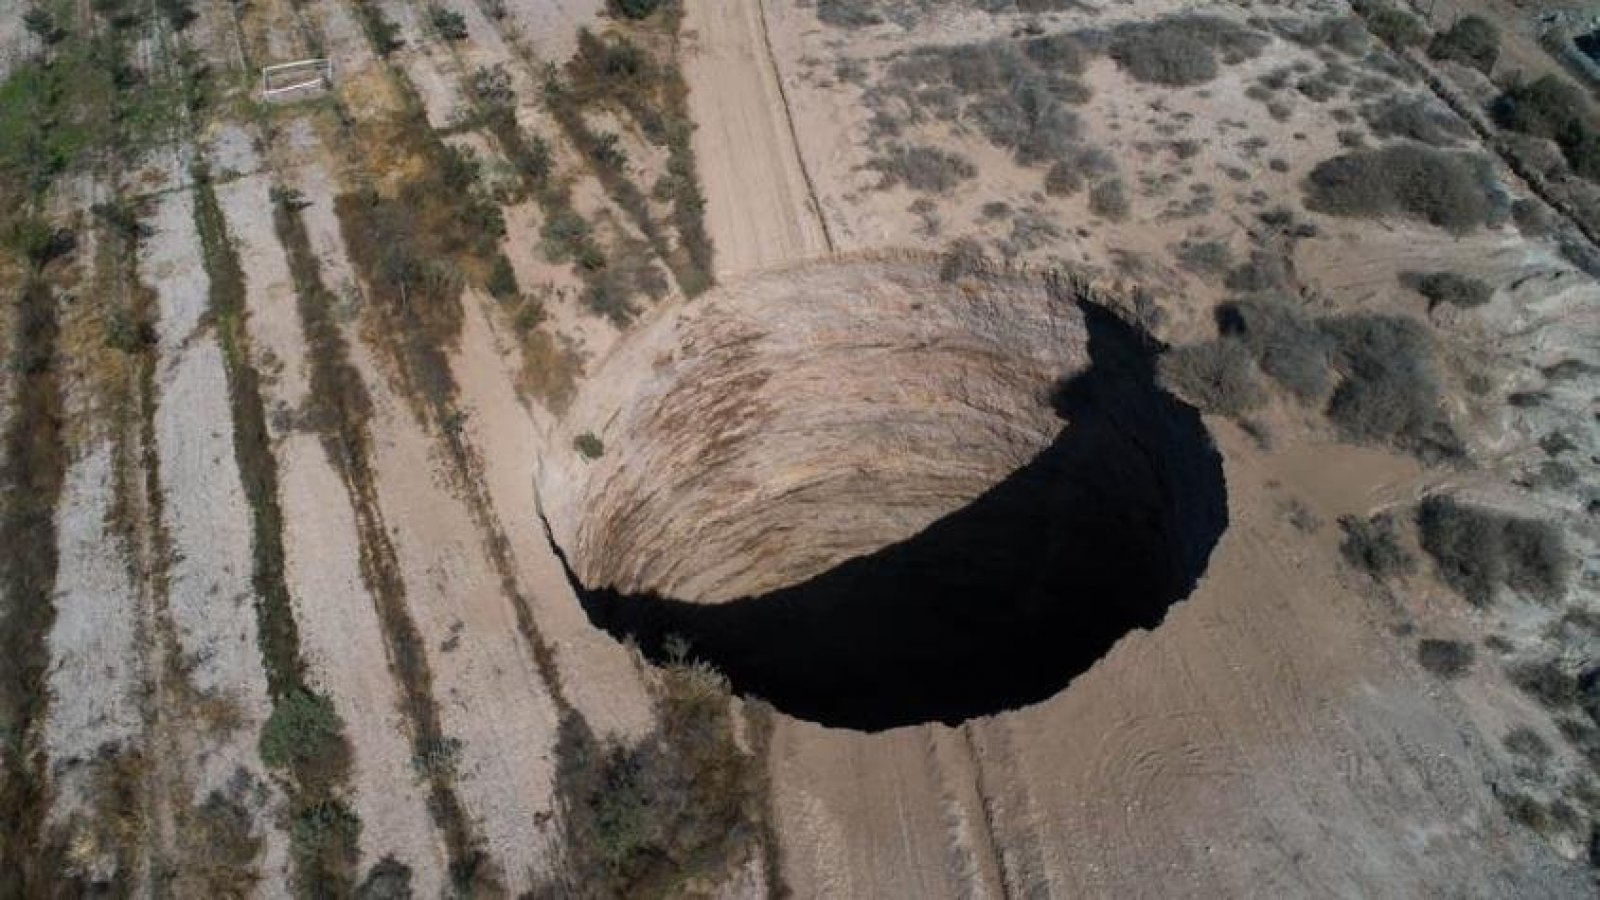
point(1418, 118)
point(451, 25)
point(1209, 258)
point(1446, 659)
point(1217, 376)
point(963, 258)
point(1472, 41)
point(303, 727)
point(1390, 391)
point(1392, 26)
point(1453, 191)
point(1526, 743)
point(1552, 108)
point(1448, 287)
point(502, 280)
point(1546, 681)
point(1373, 546)
point(633, 9)
point(1109, 200)
point(1288, 346)
point(922, 168)
point(1263, 272)
point(848, 13)
point(589, 446)
point(1179, 51)
point(1477, 550)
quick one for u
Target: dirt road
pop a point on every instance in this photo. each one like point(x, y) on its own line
point(759, 209)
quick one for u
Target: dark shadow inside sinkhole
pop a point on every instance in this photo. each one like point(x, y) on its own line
point(998, 604)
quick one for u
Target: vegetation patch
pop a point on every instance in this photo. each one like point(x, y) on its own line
point(1454, 191)
point(1390, 392)
point(636, 75)
point(1391, 25)
point(1288, 345)
point(1018, 94)
point(1552, 108)
point(1472, 41)
point(1372, 545)
point(1418, 118)
point(1217, 376)
point(1477, 551)
point(1448, 287)
point(31, 474)
point(1447, 659)
point(921, 168)
point(1181, 51)
point(677, 812)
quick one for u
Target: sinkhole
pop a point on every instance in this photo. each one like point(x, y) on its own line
point(875, 497)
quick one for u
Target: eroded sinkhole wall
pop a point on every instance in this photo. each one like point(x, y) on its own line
point(873, 498)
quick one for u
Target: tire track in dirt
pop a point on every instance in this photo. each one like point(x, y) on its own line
point(761, 207)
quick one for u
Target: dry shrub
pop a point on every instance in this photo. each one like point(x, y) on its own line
point(1109, 200)
point(1372, 545)
point(1418, 118)
point(1391, 389)
point(1553, 108)
point(1179, 51)
point(684, 804)
point(1478, 550)
point(1217, 376)
point(1288, 346)
point(1017, 94)
point(1448, 287)
point(1446, 659)
point(1453, 191)
point(922, 168)
point(1472, 41)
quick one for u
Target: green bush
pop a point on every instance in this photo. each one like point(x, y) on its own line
point(1472, 41)
point(633, 9)
point(1448, 287)
point(1454, 191)
point(1372, 545)
point(502, 281)
point(1217, 376)
point(451, 25)
point(1478, 550)
point(589, 446)
point(388, 879)
point(303, 727)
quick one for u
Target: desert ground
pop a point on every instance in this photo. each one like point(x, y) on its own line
point(815, 448)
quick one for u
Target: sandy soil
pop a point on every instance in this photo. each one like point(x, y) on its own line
point(95, 675)
point(598, 676)
point(759, 209)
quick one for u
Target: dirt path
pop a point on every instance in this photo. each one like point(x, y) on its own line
point(759, 208)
